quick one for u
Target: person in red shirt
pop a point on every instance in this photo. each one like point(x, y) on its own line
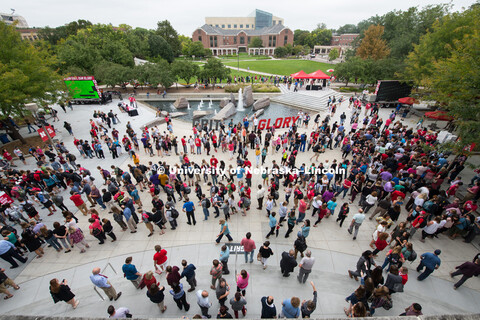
point(213, 161)
point(78, 202)
point(381, 243)
point(470, 206)
point(184, 144)
point(345, 187)
point(198, 144)
point(404, 274)
point(160, 259)
point(247, 163)
point(149, 279)
point(96, 230)
point(397, 194)
point(214, 142)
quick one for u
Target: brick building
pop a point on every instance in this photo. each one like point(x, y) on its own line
point(222, 41)
point(343, 40)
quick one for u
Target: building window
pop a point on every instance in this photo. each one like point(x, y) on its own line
point(211, 42)
point(216, 25)
point(200, 38)
point(229, 26)
point(215, 40)
point(248, 39)
point(269, 41)
point(285, 40)
point(274, 41)
point(234, 40)
point(223, 26)
point(274, 22)
point(241, 26)
point(247, 26)
point(234, 26)
point(242, 40)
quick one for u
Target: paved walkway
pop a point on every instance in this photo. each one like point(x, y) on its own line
point(332, 246)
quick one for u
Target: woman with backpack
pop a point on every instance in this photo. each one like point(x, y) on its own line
point(30, 240)
point(394, 257)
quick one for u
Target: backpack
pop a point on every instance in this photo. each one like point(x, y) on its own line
point(187, 189)
point(394, 258)
point(76, 177)
point(423, 224)
point(207, 203)
point(29, 208)
point(233, 187)
point(156, 190)
point(106, 174)
point(174, 213)
point(412, 256)
point(169, 189)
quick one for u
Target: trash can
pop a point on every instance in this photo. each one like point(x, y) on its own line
point(4, 138)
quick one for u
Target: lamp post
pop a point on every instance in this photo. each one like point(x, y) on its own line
point(238, 60)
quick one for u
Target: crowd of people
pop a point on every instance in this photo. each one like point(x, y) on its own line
point(387, 167)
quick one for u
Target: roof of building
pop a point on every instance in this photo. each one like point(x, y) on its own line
point(11, 18)
point(257, 32)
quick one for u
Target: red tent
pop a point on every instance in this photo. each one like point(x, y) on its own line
point(299, 75)
point(318, 75)
point(438, 115)
point(407, 100)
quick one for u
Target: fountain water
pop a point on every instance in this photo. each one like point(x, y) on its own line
point(215, 111)
point(240, 101)
point(200, 105)
point(210, 104)
point(189, 106)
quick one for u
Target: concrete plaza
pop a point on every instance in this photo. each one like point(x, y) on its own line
point(333, 248)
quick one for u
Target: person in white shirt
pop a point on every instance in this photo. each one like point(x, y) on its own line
point(260, 196)
point(120, 313)
point(203, 303)
point(431, 228)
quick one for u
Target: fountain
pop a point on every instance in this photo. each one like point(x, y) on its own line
point(189, 106)
point(215, 111)
point(210, 104)
point(200, 105)
point(240, 101)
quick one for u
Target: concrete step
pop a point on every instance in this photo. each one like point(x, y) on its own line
point(313, 101)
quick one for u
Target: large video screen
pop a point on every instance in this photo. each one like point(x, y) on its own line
point(82, 89)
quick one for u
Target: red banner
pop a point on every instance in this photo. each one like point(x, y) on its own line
point(5, 198)
point(44, 135)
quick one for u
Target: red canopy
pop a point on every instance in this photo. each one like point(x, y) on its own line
point(407, 100)
point(318, 75)
point(438, 115)
point(299, 75)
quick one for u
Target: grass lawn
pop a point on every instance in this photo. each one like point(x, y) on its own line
point(283, 67)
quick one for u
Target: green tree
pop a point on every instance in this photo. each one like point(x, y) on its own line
point(281, 52)
point(372, 45)
point(214, 69)
point(185, 70)
point(348, 28)
point(333, 54)
point(54, 35)
point(194, 49)
point(299, 36)
point(159, 47)
point(350, 69)
point(456, 82)
point(167, 32)
point(26, 75)
point(155, 74)
point(298, 50)
point(436, 44)
point(112, 74)
point(255, 42)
